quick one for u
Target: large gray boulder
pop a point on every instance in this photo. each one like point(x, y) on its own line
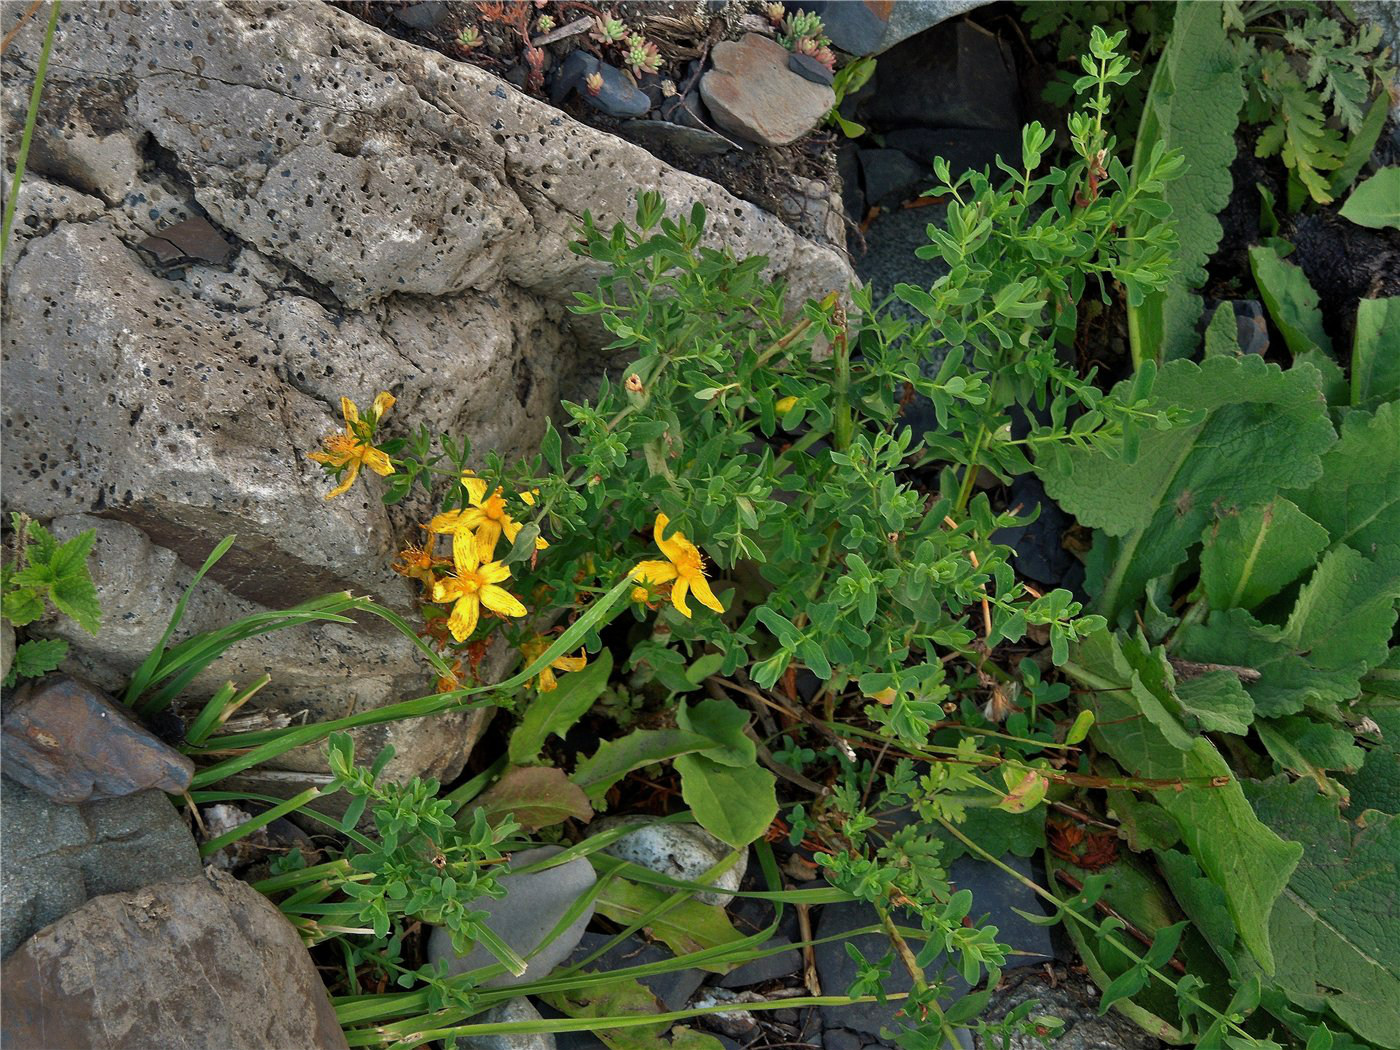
point(57, 857)
point(398, 221)
point(185, 964)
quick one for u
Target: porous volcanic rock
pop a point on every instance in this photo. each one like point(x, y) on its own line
point(400, 222)
point(186, 964)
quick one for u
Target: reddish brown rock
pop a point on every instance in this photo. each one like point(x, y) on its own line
point(72, 743)
point(752, 93)
point(192, 963)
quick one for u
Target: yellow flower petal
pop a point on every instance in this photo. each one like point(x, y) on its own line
point(350, 413)
point(570, 663)
point(463, 620)
point(700, 587)
point(476, 489)
point(547, 683)
point(448, 521)
point(493, 572)
point(446, 589)
point(383, 401)
point(654, 572)
point(501, 601)
point(377, 461)
point(487, 533)
point(529, 497)
point(511, 528)
point(678, 593)
point(673, 545)
point(350, 475)
point(465, 556)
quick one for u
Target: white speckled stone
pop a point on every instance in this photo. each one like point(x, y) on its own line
point(679, 851)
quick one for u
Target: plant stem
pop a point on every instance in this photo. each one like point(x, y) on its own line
point(30, 119)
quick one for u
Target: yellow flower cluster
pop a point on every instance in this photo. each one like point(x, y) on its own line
point(355, 448)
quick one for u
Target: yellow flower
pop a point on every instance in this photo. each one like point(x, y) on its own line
point(418, 564)
point(534, 649)
point(641, 594)
point(684, 564)
point(785, 405)
point(486, 518)
point(471, 585)
point(353, 448)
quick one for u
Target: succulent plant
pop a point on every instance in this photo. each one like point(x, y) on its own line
point(593, 83)
point(469, 38)
point(642, 55)
point(802, 25)
point(609, 30)
point(544, 24)
point(775, 12)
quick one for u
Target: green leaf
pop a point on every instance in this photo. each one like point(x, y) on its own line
point(537, 796)
point(734, 803)
point(1377, 784)
point(557, 710)
point(1338, 911)
point(621, 997)
point(38, 656)
point(76, 598)
point(1308, 748)
point(1376, 202)
point(1339, 627)
point(723, 722)
point(22, 606)
point(614, 759)
point(1193, 105)
point(685, 927)
point(1251, 554)
point(1261, 430)
point(1223, 333)
point(1217, 701)
point(1357, 499)
point(1248, 862)
point(1375, 352)
point(1290, 300)
point(1362, 145)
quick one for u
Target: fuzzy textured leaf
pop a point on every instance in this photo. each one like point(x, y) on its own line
point(1217, 701)
point(1251, 554)
point(1193, 104)
point(1338, 913)
point(557, 710)
point(734, 803)
point(1375, 352)
point(537, 796)
point(1247, 861)
point(1375, 203)
point(1290, 300)
point(1339, 627)
point(685, 927)
point(1357, 499)
point(1263, 430)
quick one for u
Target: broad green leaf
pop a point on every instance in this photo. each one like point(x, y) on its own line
point(685, 927)
point(537, 796)
point(1377, 784)
point(1309, 749)
point(621, 997)
point(1357, 499)
point(1200, 899)
point(1339, 627)
point(1375, 352)
point(1376, 202)
point(614, 759)
point(76, 598)
point(1290, 300)
point(997, 832)
point(723, 721)
point(1217, 701)
point(734, 803)
point(557, 710)
point(1193, 105)
point(1223, 333)
point(1261, 430)
point(1338, 912)
point(38, 656)
point(1251, 554)
point(1247, 861)
point(23, 606)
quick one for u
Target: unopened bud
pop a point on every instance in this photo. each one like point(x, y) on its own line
point(785, 405)
point(634, 384)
